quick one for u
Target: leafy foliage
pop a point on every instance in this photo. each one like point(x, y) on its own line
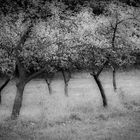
point(69, 40)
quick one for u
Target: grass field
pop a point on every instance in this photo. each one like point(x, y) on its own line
point(77, 117)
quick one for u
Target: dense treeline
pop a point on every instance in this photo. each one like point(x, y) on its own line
point(45, 37)
point(98, 6)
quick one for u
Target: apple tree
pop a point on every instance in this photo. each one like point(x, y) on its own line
point(115, 33)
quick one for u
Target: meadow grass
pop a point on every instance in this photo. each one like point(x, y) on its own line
point(80, 116)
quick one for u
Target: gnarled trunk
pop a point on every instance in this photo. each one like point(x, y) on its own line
point(20, 88)
point(99, 84)
point(18, 99)
point(21, 72)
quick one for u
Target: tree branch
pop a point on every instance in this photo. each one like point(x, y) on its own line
point(114, 35)
point(35, 75)
point(101, 69)
point(23, 39)
point(18, 48)
point(5, 83)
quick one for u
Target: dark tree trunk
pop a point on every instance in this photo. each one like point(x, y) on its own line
point(114, 79)
point(16, 73)
point(18, 99)
point(66, 89)
point(99, 84)
point(20, 71)
point(3, 86)
point(66, 81)
point(49, 85)
point(20, 88)
point(49, 88)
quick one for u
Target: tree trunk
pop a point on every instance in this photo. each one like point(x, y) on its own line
point(18, 100)
point(3, 86)
point(99, 84)
point(66, 80)
point(20, 88)
point(21, 73)
point(49, 86)
point(114, 79)
point(66, 89)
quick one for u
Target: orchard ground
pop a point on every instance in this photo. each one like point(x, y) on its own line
point(80, 116)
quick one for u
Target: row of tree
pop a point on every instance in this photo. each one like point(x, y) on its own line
point(66, 41)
